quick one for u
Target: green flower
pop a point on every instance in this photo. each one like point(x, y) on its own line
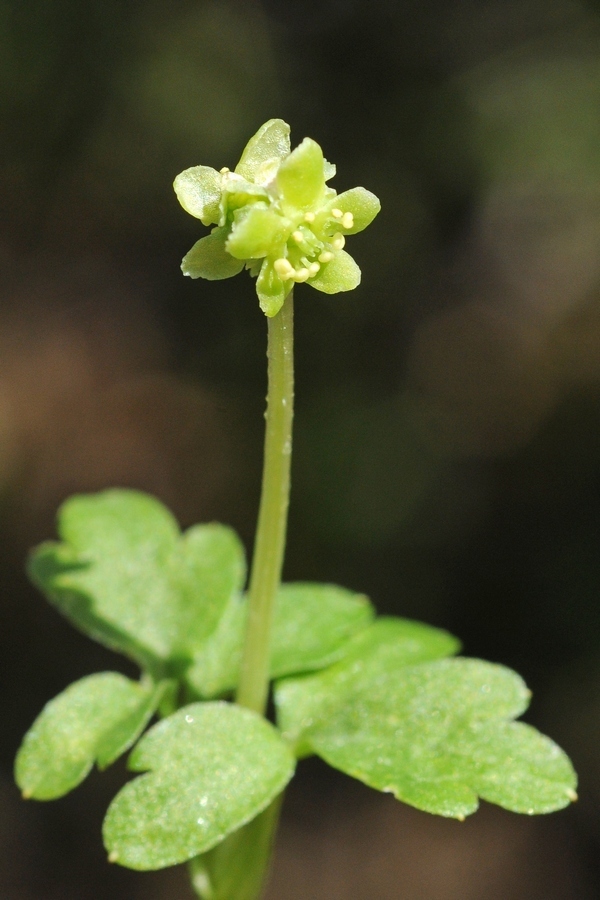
point(275, 216)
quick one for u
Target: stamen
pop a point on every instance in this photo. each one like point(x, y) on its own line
point(298, 237)
point(313, 268)
point(348, 220)
point(224, 170)
point(326, 256)
point(284, 269)
point(338, 241)
point(337, 213)
point(309, 217)
point(301, 275)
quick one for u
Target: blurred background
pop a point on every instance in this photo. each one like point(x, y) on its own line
point(447, 456)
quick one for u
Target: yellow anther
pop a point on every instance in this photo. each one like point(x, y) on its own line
point(301, 275)
point(348, 220)
point(284, 269)
point(313, 269)
point(337, 213)
point(338, 241)
point(224, 170)
point(326, 256)
point(309, 217)
point(298, 237)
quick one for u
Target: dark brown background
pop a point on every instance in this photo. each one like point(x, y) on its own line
point(447, 457)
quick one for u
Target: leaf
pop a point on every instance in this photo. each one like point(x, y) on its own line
point(312, 627)
point(389, 644)
point(271, 141)
point(436, 735)
point(199, 191)
point(128, 578)
point(96, 719)
point(341, 274)
point(210, 768)
point(209, 259)
point(301, 176)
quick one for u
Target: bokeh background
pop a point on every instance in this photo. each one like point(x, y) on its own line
point(447, 456)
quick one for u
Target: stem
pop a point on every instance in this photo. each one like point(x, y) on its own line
point(269, 544)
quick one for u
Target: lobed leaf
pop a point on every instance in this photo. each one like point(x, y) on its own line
point(312, 628)
point(437, 735)
point(96, 719)
point(127, 577)
point(210, 768)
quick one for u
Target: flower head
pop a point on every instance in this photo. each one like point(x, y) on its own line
point(275, 216)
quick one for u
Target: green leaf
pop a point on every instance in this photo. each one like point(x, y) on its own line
point(341, 274)
point(301, 176)
point(312, 627)
point(257, 232)
point(271, 290)
point(363, 205)
point(128, 578)
point(436, 735)
point(199, 191)
point(389, 644)
point(210, 768)
point(95, 720)
point(209, 259)
point(271, 142)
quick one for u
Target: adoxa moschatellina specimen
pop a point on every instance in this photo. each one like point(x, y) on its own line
point(275, 216)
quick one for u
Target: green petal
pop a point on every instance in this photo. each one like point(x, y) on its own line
point(209, 259)
point(271, 290)
point(341, 274)
point(329, 170)
point(301, 176)
point(363, 205)
point(271, 142)
point(199, 191)
point(256, 232)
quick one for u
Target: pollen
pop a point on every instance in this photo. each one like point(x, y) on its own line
point(337, 213)
point(301, 275)
point(284, 269)
point(326, 256)
point(309, 217)
point(298, 237)
point(348, 220)
point(338, 241)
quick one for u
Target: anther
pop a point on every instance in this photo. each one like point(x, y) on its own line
point(284, 269)
point(298, 237)
point(313, 269)
point(338, 241)
point(348, 220)
point(337, 213)
point(309, 217)
point(301, 275)
point(326, 256)
point(224, 170)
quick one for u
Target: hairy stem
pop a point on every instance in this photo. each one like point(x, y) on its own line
point(272, 517)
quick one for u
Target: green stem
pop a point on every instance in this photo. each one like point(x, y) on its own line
point(272, 517)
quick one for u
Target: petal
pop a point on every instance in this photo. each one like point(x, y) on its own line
point(209, 259)
point(271, 290)
point(363, 205)
point(257, 232)
point(301, 176)
point(329, 170)
point(341, 274)
point(271, 141)
point(199, 191)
